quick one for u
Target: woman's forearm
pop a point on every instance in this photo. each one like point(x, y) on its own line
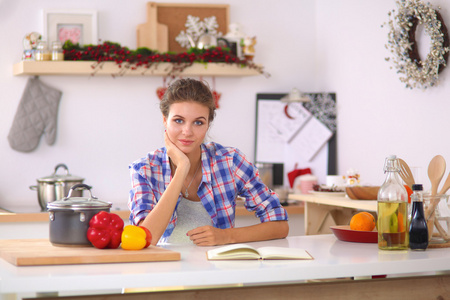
point(259, 232)
point(159, 217)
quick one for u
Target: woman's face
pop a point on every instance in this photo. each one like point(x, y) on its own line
point(187, 125)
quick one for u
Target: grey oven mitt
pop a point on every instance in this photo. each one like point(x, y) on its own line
point(36, 115)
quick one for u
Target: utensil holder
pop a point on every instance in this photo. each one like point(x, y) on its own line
point(438, 221)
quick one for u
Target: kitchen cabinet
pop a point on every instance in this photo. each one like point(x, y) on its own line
point(85, 68)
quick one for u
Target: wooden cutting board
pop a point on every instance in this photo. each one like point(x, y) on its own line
point(34, 252)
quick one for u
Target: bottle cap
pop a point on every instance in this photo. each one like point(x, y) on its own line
point(417, 187)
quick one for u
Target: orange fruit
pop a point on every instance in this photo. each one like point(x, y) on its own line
point(362, 221)
point(401, 225)
point(368, 214)
point(409, 191)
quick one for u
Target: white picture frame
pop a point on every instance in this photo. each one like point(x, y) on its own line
point(80, 26)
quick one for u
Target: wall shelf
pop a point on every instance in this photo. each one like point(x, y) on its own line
point(111, 68)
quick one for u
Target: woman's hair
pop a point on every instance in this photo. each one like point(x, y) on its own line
point(188, 89)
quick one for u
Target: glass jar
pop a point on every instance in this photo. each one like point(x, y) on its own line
point(441, 214)
point(392, 209)
point(42, 52)
point(57, 51)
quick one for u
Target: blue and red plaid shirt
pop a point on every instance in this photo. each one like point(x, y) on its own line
point(226, 174)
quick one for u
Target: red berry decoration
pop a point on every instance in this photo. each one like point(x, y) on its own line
point(160, 92)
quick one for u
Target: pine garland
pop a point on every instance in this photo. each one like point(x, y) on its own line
point(143, 58)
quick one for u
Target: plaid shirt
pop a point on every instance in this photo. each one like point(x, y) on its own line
point(226, 174)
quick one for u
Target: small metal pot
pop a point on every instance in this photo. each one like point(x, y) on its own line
point(70, 216)
point(56, 186)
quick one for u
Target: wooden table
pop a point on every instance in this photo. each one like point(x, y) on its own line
point(321, 212)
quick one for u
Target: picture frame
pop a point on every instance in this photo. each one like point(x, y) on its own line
point(80, 26)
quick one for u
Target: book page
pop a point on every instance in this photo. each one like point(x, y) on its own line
point(283, 253)
point(244, 251)
point(235, 251)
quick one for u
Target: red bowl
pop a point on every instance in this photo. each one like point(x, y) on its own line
point(344, 233)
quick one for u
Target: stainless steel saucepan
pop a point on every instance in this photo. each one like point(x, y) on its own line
point(56, 186)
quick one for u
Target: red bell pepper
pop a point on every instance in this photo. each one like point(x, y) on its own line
point(105, 230)
point(148, 237)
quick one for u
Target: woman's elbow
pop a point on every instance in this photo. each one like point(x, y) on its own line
point(283, 229)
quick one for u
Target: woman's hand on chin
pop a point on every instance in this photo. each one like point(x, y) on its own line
point(177, 156)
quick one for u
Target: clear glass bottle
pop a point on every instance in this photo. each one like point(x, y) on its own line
point(42, 52)
point(392, 209)
point(418, 229)
point(57, 51)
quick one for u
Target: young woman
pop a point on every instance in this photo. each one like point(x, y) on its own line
point(187, 191)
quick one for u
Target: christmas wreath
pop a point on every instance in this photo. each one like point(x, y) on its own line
point(143, 58)
point(403, 46)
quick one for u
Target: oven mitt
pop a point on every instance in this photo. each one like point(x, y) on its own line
point(36, 115)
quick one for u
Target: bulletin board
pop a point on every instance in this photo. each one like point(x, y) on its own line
point(165, 21)
point(274, 146)
point(175, 15)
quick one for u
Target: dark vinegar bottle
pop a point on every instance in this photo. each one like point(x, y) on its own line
point(418, 230)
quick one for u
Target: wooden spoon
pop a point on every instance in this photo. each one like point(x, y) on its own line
point(436, 170)
point(446, 186)
point(405, 173)
point(441, 230)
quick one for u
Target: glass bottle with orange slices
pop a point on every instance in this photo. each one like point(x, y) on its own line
point(392, 209)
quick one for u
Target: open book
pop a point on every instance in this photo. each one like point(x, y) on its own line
point(243, 251)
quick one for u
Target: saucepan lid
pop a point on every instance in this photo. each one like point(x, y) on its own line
point(66, 177)
point(79, 203)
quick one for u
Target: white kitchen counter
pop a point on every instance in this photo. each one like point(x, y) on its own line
point(332, 259)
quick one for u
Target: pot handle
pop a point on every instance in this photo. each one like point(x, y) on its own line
point(81, 186)
point(33, 187)
point(63, 166)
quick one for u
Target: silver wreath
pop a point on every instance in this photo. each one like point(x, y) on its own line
point(403, 47)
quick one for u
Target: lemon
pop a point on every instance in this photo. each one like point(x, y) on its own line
point(386, 216)
point(388, 208)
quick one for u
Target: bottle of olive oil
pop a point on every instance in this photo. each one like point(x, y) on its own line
point(392, 209)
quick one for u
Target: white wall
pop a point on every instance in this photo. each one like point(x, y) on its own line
point(324, 45)
point(105, 123)
point(377, 115)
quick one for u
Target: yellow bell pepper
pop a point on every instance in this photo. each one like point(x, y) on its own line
point(133, 238)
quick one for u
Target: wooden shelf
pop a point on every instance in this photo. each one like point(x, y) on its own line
point(111, 68)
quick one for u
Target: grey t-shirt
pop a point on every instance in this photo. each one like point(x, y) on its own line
point(191, 214)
